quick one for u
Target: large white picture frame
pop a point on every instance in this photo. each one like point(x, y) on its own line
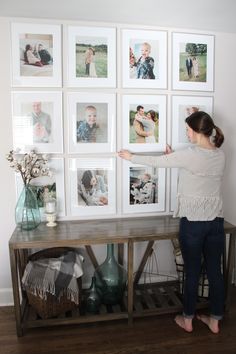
point(36, 55)
point(92, 122)
point(182, 107)
point(42, 185)
point(144, 58)
point(143, 188)
point(132, 130)
point(37, 121)
point(92, 186)
point(91, 56)
point(192, 62)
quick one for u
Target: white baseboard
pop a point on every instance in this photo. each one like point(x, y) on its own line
point(6, 297)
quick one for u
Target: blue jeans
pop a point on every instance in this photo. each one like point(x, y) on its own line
point(197, 239)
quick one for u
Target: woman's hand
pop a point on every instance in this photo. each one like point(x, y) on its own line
point(168, 149)
point(125, 154)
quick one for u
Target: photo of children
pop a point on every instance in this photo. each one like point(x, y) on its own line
point(192, 62)
point(91, 57)
point(144, 124)
point(92, 187)
point(36, 54)
point(143, 185)
point(92, 122)
point(143, 59)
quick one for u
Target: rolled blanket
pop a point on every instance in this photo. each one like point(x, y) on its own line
point(56, 276)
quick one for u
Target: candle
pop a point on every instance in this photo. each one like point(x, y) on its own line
point(50, 206)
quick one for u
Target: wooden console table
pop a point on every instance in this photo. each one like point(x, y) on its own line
point(117, 231)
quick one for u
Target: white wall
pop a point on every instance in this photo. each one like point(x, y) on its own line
point(225, 52)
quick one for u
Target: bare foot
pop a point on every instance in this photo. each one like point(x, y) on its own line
point(212, 323)
point(185, 323)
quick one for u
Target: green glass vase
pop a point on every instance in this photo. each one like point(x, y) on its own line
point(93, 298)
point(111, 279)
point(27, 214)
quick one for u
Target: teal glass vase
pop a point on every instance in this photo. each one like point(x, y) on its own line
point(93, 298)
point(27, 214)
point(111, 279)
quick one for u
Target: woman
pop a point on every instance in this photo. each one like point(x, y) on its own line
point(29, 56)
point(148, 123)
point(92, 69)
point(93, 189)
point(199, 206)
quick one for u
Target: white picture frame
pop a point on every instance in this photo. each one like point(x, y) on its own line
point(147, 198)
point(182, 107)
point(135, 73)
point(91, 56)
point(192, 62)
point(131, 140)
point(86, 135)
point(28, 68)
point(37, 121)
point(56, 165)
point(99, 200)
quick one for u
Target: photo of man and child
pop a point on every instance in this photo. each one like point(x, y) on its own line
point(142, 64)
point(91, 124)
point(92, 187)
point(143, 124)
point(143, 186)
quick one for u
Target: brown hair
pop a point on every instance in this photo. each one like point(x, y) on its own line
point(201, 122)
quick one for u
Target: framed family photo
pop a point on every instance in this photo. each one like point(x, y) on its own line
point(44, 187)
point(193, 62)
point(143, 188)
point(182, 107)
point(36, 55)
point(37, 121)
point(91, 56)
point(144, 122)
point(144, 58)
point(92, 122)
point(92, 186)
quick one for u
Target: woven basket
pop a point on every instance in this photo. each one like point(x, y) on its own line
point(51, 306)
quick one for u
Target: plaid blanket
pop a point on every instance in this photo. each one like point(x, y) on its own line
point(56, 276)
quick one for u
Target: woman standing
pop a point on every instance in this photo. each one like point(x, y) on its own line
point(199, 206)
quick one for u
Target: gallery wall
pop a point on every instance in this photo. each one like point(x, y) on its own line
point(223, 113)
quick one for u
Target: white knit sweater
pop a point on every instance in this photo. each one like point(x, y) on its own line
point(201, 170)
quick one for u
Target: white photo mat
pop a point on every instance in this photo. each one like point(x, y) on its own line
point(91, 37)
point(105, 105)
point(141, 206)
point(154, 102)
point(24, 74)
point(158, 43)
point(26, 135)
point(204, 81)
point(77, 167)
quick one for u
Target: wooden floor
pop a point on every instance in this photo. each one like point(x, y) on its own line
point(147, 336)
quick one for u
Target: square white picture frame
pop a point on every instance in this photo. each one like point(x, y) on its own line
point(147, 198)
point(95, 46)
point(56, 165)
point(37, 121)
point(136, 71)
point(182, 107)
point(130, 139)
point(84, 135)
point(25, 58)
point(87, 200)
point(192, 62)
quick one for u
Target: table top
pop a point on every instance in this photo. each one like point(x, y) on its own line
point(88, 232)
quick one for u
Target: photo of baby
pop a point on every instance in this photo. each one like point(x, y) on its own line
point(143, 186)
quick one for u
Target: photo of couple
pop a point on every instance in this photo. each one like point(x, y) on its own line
point(193, 62)
point(143, 124)
point(91, 57)
point(143, 186)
